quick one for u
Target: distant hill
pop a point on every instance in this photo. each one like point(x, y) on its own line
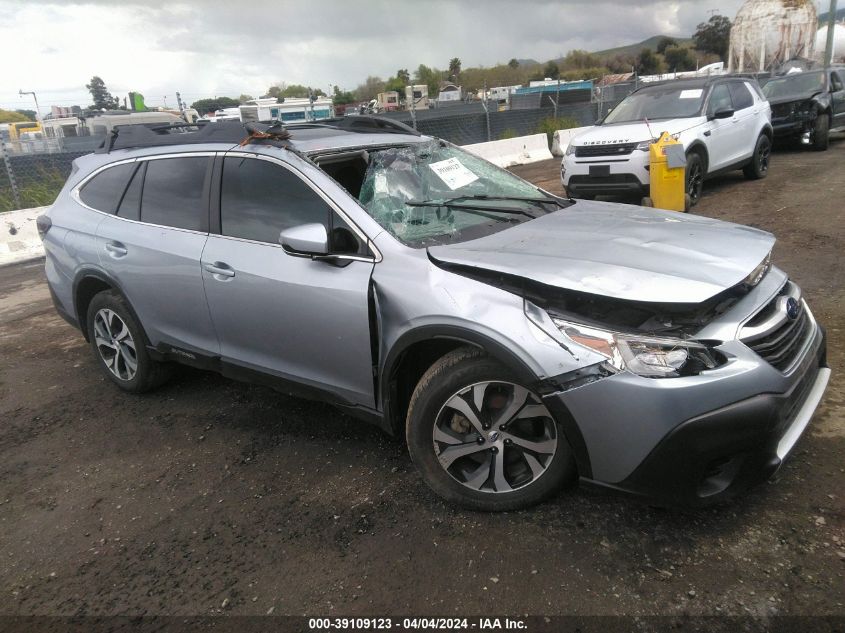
point(634, 49)
point(528, 62)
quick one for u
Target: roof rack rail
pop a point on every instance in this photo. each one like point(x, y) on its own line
point(359, 123)
point(157, 135)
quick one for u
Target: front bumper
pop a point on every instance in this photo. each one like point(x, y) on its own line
point(621, 175)
point(692, 441)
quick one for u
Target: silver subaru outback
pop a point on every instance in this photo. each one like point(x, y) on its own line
point(518, 340)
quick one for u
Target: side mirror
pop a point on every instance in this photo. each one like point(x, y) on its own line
point(722, 113)
point(305, 239)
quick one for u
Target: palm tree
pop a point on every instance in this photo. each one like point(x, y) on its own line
point(455, 67)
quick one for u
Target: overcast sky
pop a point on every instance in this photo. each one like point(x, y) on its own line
point(228, 48)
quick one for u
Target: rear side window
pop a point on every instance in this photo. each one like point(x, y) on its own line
point(740, 95)
point(259, 200)
point(173, 193)
point(835, 82)
point(130, 205)
point(103, 191)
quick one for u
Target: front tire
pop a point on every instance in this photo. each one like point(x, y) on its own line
point(758, 168)
point(821, 132)
point(482, 440)
point(695, 177)
point(119, 345)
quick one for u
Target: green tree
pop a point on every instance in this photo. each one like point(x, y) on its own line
point(648, 63)
point(404, 76)
point(551, 71)
point(209, 106)
point(244, 98)
point(679, 59)
point(664, 43)
point(454, 68)
point(513, 63)
point(341, 97)
point(430, 77)
point(576, 59)
point(29, 114)
point(103, 100)
point(7, 116)
point(369, 89)
point(713, 36)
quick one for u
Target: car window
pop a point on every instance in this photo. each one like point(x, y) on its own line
point(835, 82)
point(720, 99)
point(740, 95)
point(130, 204)
point(103, 191)
point(658, 102)
point(260, 199)
point(173, 193)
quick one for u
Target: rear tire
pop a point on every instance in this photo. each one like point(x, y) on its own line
point(511, 453)
point(821, 132)
point(758, 168)
point(647, 202)
point(119, 345)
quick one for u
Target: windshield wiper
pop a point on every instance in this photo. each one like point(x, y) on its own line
point(483, 196)
point(478, 209)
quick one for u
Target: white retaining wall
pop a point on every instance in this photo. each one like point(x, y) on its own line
point(562, 139)
point(19, 239)
point(513, 151)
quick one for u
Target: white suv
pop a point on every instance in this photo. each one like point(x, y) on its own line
point(724, 123)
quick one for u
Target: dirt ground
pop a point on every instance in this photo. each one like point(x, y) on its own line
point(210, 496)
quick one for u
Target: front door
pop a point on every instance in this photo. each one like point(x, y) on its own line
point(837, 98)
point(294, 317)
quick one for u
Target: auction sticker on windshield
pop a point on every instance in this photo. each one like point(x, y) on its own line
point(691, 94)
point(453, 173)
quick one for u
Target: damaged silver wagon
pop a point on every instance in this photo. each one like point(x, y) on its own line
point(520, 341)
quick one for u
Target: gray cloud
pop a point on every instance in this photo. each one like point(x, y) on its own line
point(228, 48)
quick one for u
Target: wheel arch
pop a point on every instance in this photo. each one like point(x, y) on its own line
point(415, 351)
point(700, 148)
point(89, 282)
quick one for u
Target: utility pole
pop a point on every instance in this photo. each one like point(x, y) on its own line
point(181, 105)
point(831, 24)
point(37, 109)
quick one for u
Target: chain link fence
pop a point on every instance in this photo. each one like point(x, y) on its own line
point(32, 173)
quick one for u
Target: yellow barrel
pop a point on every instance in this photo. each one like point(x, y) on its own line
point(668, 180)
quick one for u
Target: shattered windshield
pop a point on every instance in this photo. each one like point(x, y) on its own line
point(434, 193)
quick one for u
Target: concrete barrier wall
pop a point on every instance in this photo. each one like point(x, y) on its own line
point(562, 138)
point(19, 239)
point(513, 151)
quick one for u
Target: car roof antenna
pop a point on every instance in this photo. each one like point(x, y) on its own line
point(650, 133)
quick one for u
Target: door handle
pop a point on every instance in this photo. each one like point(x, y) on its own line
point(220, 269)
point(116, 249)
point(708, 133)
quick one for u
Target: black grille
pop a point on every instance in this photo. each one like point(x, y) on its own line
point(620, 149)
point(781, 347)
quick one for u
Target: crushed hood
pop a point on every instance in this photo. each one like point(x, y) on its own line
point(620, 251)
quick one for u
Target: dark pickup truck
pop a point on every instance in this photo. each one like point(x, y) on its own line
point(808, 105)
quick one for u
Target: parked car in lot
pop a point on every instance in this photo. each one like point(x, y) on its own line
point(517, 340)
point(724, 123)
point(807, 106)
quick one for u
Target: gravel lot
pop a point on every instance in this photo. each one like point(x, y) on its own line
point(211, 496)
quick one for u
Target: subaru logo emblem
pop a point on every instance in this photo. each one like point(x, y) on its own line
point(792, 308)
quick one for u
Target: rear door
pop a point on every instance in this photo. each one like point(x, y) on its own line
point(837, 96)
point(152, 246)
point(293, 317)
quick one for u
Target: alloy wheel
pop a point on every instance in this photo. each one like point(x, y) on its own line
point(695, 182)
point(115, 344)
point(494, 437)
point(763, 156)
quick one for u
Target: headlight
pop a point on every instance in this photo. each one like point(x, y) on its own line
point(570, 149)
point(643, 147)
point(756, 275)
point(651, 357)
